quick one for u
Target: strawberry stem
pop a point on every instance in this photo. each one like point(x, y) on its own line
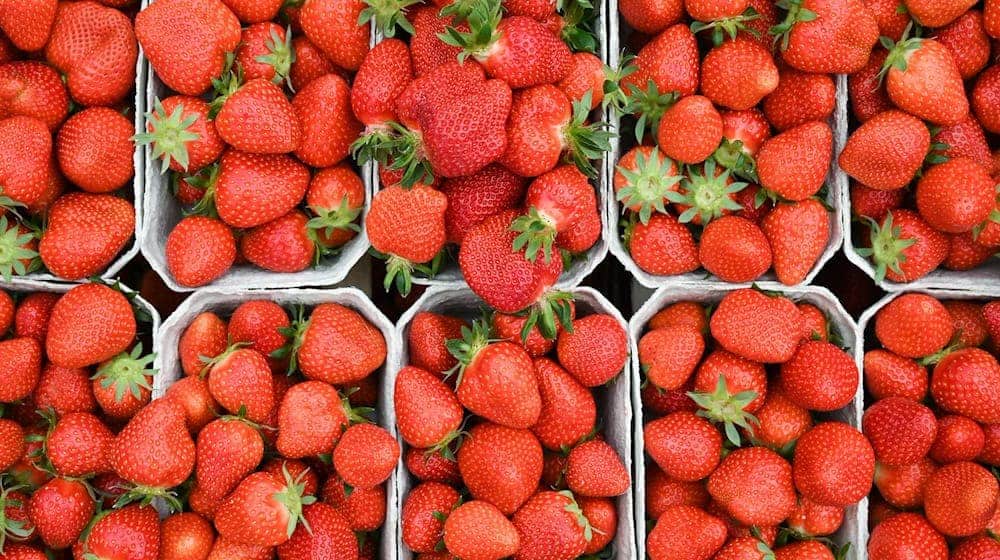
point(14, 251)
point(465, 349)
point(586, 142)
point(280, 56)
point(721, 406)
point(169, 136)
point(730, 26)
point(127, 372)
point(330, 220)
point(551, 307)
point(887, 249)
point(648, 184)
point(294, 498)
point(796, 13)
point(483, 17)
point(387, 15)
point(708, 194)
point(536, 232)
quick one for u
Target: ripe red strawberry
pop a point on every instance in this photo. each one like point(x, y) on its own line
point(500, 465)
point(12, 444)
point(595, 470)
point(937, 14)
point(917, 66)
point(794, 163)
point(224, 549)
point(154, 450)
point(192, 394)
point(586, 76)
point(968, 42)
point(708, 10)
point(89, 324)
point(77, 444)
point(651, 17)
point(914, 325)
point(201, 40)
point(228, 449)
point(106, 223)
point(311, 418)
point(254, 11)
point(690, 130)
point(866, 159)
point(477, 530)
point(663, 492)
point(743, 132)
point(427, 337)
point(408, 226)
point(800, 97)
point(569, 412)
point(333, 26)
point(336, 196)
point(685, 532)
point(503, 277)
point(474, 198)
point(432, 466)
point(991, 18)
point(670, 61)
point(337, 345)
point(199, 250)
point(257, 118)
point(966, 139)
point(984, 97)
point(958, 439)
point(21, 366)
point(780, 421)
point(422, 516)
point(685, 446)
point(833, 464)
point(258, 323)
point(594, 351)
point(874, 203)
point(798, 233)
point(756, 326)
point(64, 390)
point(827, 36)
point(955, 210)
point(180, 133)
point(33, 89)
point(551, 524)
point(960, 498)
point(285, 244)
point(867, 92)
point(754, 486)
point(976, 548)
point(382, 77)
point(363, 507)
point(970, 325)
point(820, 376)
point(905, 247)
point(903, 486)
point(186, 536)
point(60, 510)
point(726, 386)
point(28, 24)
point(94, 47)
point(734, 249)
point(328, 126)
point(366, 455)
point(965, 253)
point(324, 530)
point(427, 50)
point(963, 383)
point(664, 246)
point(738, 74)
point(130, 532)
point(239, 379)
point(77, 144)
point(276, 504)
point(642, 179)
point(906, 534)
point(265, 52)
point(26, 168)
point(427, 412)
point(310, 63)
point(901, 431)
point(558, 202)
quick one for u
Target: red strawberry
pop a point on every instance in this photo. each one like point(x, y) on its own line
point(422, 516)
point(968, 42)
point(12, 445)
point(427, 337)
point(336, 196)
point(950, 210)
point(254, 11)
point(328, 126)
point(310, 418)
point(594, 351)
point(186, 42)
point(276, 504)
point(64, 390)
point(32, 89)
point(363, 507)
point(664, 246)
point(26, 168)
point(477, 530)
point(991, 18)
point(669, 355)
point(77, 145)
point(77, 444)
point(285, 244)
point(914, 325)
point(500, 465)
point(734, 249)
point(984, 98)
point(780, 421)
point(903, 486)
point(366, 455)
point(240, 381)
point(427, 411)
point(427, 49)
point(794, 163)
point(131, 532)
point(866, 159)
point(685, 446)
point(966, 139)
point(799, 98)
point(976, 548)
point(90, 323)
point(923, 80)
point(192, 394)
point(265, 52)
point(602, 515)
point(28, 24)
point(337, 345)
point(963, 383)
point(408, 226)
point(738, 74)
point(60, 510)
point(743, 133)
point(906, 534)
point(663, 492)
point(970, 325)
point(557, 203)
point(651, 17)
point(642, 179)
point(224, 549)
point(669, 61)
point(827, 36)
point(798, 233)
point(552, 525)
point(937, 14)
point(310, 63)
point(473, 198)
point(324, 530)
point(257, 118)
point(431, 466)
point(690, 130)
point(228, 449)
point(820, 376)
point(280, 183)
point(104, 221)
point(569, 412)
point(901, 431)
point(186, 536)
point(905, 247)
point(833, 464)
point(685, 532)
point(333, 26)
point(259, 323)
point(958, 439)
point(199, 250)
point(586, 75)
point(180, 133)
point(94, 47)
point(21, 363)
point(595, 470)
point(382, 77)
point(960, 498)
point(754, 486)
point(865, 88)
point(874, 203)
point(745, 318)
point(154, 450)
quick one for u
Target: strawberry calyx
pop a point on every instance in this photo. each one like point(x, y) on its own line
point(706, 193)
point(330, 220)
point(226, 84)
point(145, 495)
point(127, 372)
point(796, 13)
point(405, 151)
point(483, 17)
point(887, 248)
point(294, 498)
point(168, 136)
point(14, 251)
point(649, 104)
point(554, 306)
point(204, 180)
point(536, 232)
point(375, 144)
point(729, 26)
point(474, 339)
point(280, 56)
point(648, 184)
point(899, 52)
point(12, 529)
point(574, 508)
point(614, 95)
point(733, 155)
point(387, 16)
point(720, 406)
point(576, 30)
point(585, 142)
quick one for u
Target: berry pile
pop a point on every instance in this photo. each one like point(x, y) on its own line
point(935, 489)
point(504, 438)
point(67, 81)
point(479, 121)
point(924, 158)
point(729, 103)
point(265, 179)
point(738, 463)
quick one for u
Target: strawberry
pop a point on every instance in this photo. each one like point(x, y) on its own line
point(685, 446)
point(382, 77)
point(903, 486)
point(122, 385)
point(557, 202)
point(336, 196)
point(33, 89)
point(422, 515)
point(663, 246)
point(277, 504)
point(874, 204)
point(500, 465)
point(502, 276)
point(970, 325)
point(432, 466)
point(281, 182)
point(131, 532)
point(192, 394)
point(965, 253)
point(833, 464)
point(427, 50)
point(259, 324)
point(772, 319)
point(991, 18)
point(285, 244)
point(198, 33)
point(595, 470)
point(602, 515)
point(724, 379)
point(958, 439)
point(651, 17)
point(427, 412)
point(820, 376)
point(827, 36)
point(366, 455)
point(685, 532)
point(223, 549)
point(800, 97)
point(960, 499)
point(477, 530)
point(199, 250)
point(94, 47)
point(337, 345)
point(76, 145)
point(265, 52)
point(552, 525)
point(363, 507)
point(60, 510)
point(968, 42)
point(663, 492)
point(950, 210)
point(64, 390)
point(328, 126)
point(22, 363)
point(670, 61)
point(804, 550)
point(473, 198)
point(708, 10)
point(984, 97)
point(642, 179)
point(905, 247)
point(917, 66)
point(254, 11)
point(586, 76)
point(936, 14)
point(865, 158)
point(798, 233)
point(485, 367)
point(28, 24)
point(738, 74)
point(793, 164)
point(427, 337)
point(963, 383)
point(906, 534)
point(11, 443)
point(106, 222)
point(743, 133)
point(239, 379)
point(415, 239)
point(866, 90)
point(734, 249)
point(154, 450)
point(186, 536)
point(815, 520)
point(228, 449)
point(569, 412)
point(324, 530)
point(26, 169)
point(311, 418)
point(690, 130)
point(77, 444)
point(309, 63)
point(914, 325)
point(180, 133)
point(901, 431)
point(754, 486)
point(966, 139)
point(892, 21)
point(594, 351)
point(333, 26)
point(256, 117)
point(89, 324)
point(976, 548)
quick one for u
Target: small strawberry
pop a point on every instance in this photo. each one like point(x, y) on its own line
point(669, 355)
point(690, 130)
point(976, 548)
point(335, 196)
point(33, 89)
point(685, 446)
point(265, 52)
point(477, 530)
point(89, 324)
point(865, 158)
point(594, 351)
point(914, 325)
point(874, 204)
point(968, 42)
point(963, 383)
point(277, 504)
point(500, 465)
point(336, 345)
point(228, 449)
point(904, 247)
point(427, 337)
point(408, 226)
point(106, 222)
point(557, 203)
point(123, 384)
point(965, 139)
point(366, 455)
point(780, 422)
point(734, 249)
point(955, 210)
point(586, 76)
point(64, 390)
point(258, 323)
point(960, 498)
point(334, 27)
point(328, 126)
point(685, 532)
point(745, 318)
point(901, 431)
point(473, 198)
point(60, 510)
point(754, 486)
point(595, 470)
point(827, 36)
point(738, 74)
point(551, 524)
point(309, 63)
point(903, 486)
point(833, 464)
point(820, 376)
point(427, 412)
point(917, 66)
point(311, 418)
point(424, 511)
point(363, 507)
point(239, 379)
point(569, 412)
point(794, 164)
point(199, 250)
point(906, 534)
point(224, 549)
point(192, 394)
point(866, 89)
point(798, 233)
point(130, 532)
point(668, 63)
point(427, 50)
point(21, 363)
point(382, 77)
point(958, 439)
point(186, 536)
point(984, 98)
point(432, 466)
point(181, 134)
point(651, 17)
point(642, 179)
point(937, 14)
point(285, 244)
point(77, 144)
point(799, 98)
point(12, 445)
point(77, 445)
point(28, 24)
point(663, 246)
point(324, 530)
point(26, 167)
point(743, 133)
